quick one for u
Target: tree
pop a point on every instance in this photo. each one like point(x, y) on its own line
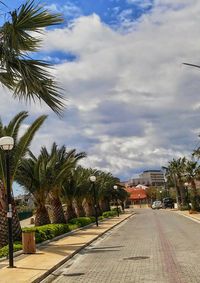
point(175, 173)
point(21, 146)
point(31, 175)
point(59, 171)
point(192, 173)
point(28, 78)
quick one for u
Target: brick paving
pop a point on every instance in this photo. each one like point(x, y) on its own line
point(152, 247)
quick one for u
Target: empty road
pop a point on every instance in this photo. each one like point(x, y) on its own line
point(152, 246)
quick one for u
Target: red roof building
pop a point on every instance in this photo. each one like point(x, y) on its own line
point(136, 194)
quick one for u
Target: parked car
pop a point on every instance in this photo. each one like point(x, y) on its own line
point(156, 204)
point(168, 202)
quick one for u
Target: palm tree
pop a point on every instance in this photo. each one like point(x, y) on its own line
point(192, 173)
point(61, 165)
point(21, 146)
point(28, 78)
point(105, 183)
point(74, 191)
point(175, 173)
point(31, 175)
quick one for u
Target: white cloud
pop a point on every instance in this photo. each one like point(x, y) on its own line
point(132, 104)
point(141, 3)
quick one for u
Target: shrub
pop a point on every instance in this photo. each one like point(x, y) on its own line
point(92, 218)
point(101, 217)
point(4, 251)
point(47, 232)
point(115, 209)
point(108, 214)
point(81, 221)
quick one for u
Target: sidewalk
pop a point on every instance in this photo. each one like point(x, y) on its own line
point(186, 213)
point(35, 267)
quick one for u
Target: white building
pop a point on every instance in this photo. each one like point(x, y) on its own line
point(149, 178)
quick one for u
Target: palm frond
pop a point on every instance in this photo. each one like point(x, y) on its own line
point(24, 142)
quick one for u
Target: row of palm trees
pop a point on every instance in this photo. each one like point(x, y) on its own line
point(182, 174)
point(54, 179)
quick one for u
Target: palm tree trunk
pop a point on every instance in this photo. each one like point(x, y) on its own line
point(78, 205)
point(57, 215)
point(89, 208)
point(104, 205)
point(42, 216)
point(70, 212)
point(4, 220)
point(194, 197)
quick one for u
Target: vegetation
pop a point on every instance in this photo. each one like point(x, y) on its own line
point(26, 77)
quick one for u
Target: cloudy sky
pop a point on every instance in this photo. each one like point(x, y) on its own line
point(131, 103)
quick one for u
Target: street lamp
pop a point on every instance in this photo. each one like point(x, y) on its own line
point(187, 196)
point(161, 195)
point(93, 180)
point(139, 200)
point(6, 144)
point(115, 188)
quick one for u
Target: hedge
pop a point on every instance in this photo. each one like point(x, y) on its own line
point(81, 221)
point(47, 232)
point(50, 231)
point(108, 214)
point(17, 246)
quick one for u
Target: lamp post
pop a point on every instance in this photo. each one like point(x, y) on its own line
point(139, 200)
point(161, 195)
point(186, 191)
point(93, 180)
point(115, 188)
point(6, 144)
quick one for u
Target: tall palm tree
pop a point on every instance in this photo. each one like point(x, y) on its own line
point(26, 77)
point(105, 183)
point(61, 165)
point(31, 175)
point(192, 173)
point(175, 173)
point(21, 146)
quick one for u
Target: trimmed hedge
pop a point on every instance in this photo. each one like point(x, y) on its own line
point(47, 232)
point(4, 251)
point(81, 221)
point(50, 231)
point(108, 214)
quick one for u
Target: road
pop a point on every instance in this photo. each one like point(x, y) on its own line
point(151, 247)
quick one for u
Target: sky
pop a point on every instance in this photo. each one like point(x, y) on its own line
point(131, 103)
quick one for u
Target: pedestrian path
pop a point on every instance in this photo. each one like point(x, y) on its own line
point(34, 267)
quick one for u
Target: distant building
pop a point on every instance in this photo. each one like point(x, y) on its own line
point(136, 195)
point(148, 178)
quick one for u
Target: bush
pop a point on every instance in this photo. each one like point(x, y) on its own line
point(81, 221)
point(115, 209)
point(100, 217)
point(4, 251)
point(108, 214)
point(47, 232)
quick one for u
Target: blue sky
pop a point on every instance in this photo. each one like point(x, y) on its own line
point(131, 104)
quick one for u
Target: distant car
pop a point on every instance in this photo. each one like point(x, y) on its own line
point(168, 202)
point(156, 204)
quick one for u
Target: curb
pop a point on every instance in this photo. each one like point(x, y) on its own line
point(189, 217)
point(47, 273)
point(20, 252)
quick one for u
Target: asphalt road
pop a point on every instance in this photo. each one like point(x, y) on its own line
point(151, 247)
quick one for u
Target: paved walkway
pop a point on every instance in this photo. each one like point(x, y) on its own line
point(153, 247)
point(31, 267)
